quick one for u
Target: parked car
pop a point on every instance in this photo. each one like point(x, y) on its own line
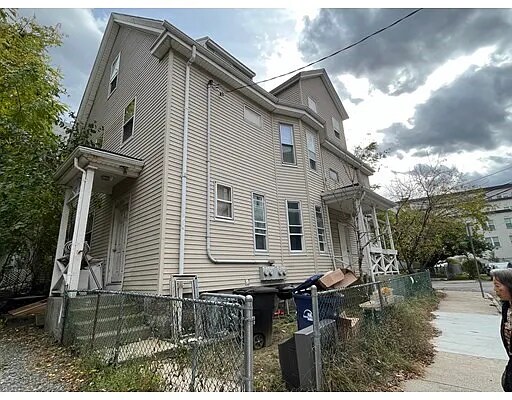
point(498, 265)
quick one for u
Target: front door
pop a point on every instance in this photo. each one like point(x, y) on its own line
point(118, 243)
point(344, 236)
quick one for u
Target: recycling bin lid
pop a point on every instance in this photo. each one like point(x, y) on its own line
point(250, 290)
point(308, 282)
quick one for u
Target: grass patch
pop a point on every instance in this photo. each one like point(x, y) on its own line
point(386, 351)
point(126, 377)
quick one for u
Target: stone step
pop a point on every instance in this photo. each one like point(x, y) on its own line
point(109, 338)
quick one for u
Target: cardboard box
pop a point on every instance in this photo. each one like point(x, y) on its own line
point(349, 278)
point(330, 279)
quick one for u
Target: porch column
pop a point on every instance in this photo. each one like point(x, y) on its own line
point(388, 227)
point(364, 237)
point(382, 261)
point(58, 267)
point(77, 246)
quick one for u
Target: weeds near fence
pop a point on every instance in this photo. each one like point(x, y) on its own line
point(385, 351)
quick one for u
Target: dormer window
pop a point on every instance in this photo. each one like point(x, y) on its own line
point(114, 71)
point(336, 127)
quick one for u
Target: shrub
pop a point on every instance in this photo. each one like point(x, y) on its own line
point(469, 267)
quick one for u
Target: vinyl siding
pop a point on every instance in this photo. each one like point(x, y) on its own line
point(143, 77)
point(292, 94)
point(315, 88)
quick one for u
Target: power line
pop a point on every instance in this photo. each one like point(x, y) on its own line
point(332, 54)
point(486, 176)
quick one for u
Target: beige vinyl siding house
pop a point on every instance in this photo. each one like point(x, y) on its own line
point(272, 147)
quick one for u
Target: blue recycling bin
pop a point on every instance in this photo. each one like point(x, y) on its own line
point(329, 306)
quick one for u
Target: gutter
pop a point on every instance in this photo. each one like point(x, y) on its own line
point(208, 179)
point(184, 160)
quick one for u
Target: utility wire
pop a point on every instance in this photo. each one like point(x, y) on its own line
point(332, 54)
point(486, 176)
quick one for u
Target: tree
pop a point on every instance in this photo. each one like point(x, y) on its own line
point(428, 224)
point(30, 151)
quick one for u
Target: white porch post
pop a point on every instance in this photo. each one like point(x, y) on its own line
point(364, 237)
point(388, 227)
point(58, 268)
point(377, 233)
point(82, 212)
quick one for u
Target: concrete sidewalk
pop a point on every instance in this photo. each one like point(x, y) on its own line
point(470, 356)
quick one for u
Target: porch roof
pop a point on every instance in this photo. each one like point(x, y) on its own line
point(343, 198)
point(111, 168)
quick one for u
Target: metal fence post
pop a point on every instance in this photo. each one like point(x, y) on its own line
point(95, 322)
point(248, 343)
point(316, 338)
point(381, 300)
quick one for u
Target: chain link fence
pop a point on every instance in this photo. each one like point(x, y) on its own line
point(341, 315)
point(182, 344)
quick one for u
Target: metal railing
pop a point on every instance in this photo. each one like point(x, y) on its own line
point(339, 315)
point(185, 344)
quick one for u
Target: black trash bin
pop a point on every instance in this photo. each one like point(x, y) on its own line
point(263, 310)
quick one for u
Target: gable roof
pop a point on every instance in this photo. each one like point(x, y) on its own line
point(315, 73)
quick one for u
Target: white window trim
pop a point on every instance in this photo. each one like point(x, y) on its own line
point(311, 100)
point(294, 164)
point(118, 57)
point(255, 112)
point(317, 230)
point(295, 234)
point(334, 128)
point(508, 223)
point(259, 251)
point(123, 143)
point(220, 217)
point(337, 180)
point(314, 136)
point(490, 223)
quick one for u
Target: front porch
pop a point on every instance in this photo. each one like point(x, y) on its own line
point(357, 231)
point(85, 172)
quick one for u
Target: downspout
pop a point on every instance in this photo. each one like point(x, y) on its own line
point(208, 178)
point(184, 159)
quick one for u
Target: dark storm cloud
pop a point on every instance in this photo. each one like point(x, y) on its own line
point(401, 58)
point(473, 113)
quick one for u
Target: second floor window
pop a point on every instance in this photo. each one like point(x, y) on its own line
point(311, 149)
point(336, 127)
point(129, 115)
point(490, 225)
point(312, 104)
point(259, 221)
point(224, 202)
point(114, 71)
point(287, 146)
point(294, 225)
point(320, 228)
point(508, 223)
point(252, 116)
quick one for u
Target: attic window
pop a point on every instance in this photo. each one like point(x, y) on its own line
point(114, 71)
point(336, 128)
point(252, 117)
point(312, 104)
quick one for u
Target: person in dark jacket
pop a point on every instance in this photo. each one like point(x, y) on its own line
point(502, 279)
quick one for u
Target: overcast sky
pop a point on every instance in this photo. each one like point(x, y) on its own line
point(437, 85)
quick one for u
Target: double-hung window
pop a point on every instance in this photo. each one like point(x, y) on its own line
point(287, 146)
point(493, 241)
point(224, 202)
point(508, 223)
point(311, 140)
point(259, 216)
point(294, 225)
point(320, 228)
point(336, 127)
point(114, 71)
point(490, 225)
point(129, 115)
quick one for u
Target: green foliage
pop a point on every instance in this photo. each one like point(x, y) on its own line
point(469, 268)
point(127, 377)
point(430, 222)
point(30, 151)
point(397, 344)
